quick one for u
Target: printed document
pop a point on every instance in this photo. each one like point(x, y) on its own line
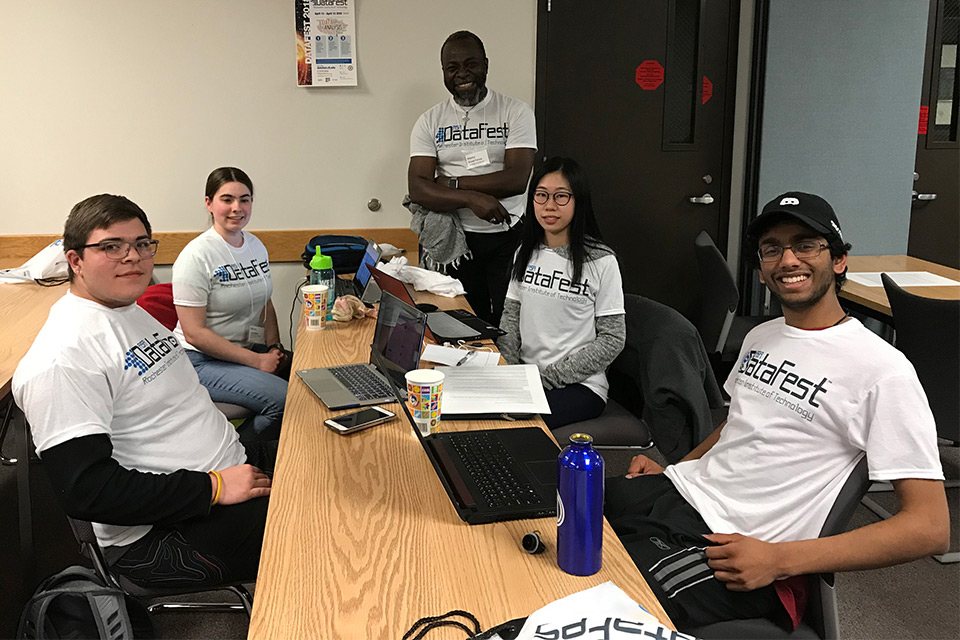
point(902, 278)
point(512, 388)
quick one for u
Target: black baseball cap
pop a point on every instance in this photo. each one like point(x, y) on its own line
point(810, 209)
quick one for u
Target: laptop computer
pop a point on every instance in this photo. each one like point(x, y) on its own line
point(444, 326)
point(492, 475)
point(359, 285)
point(398, 340)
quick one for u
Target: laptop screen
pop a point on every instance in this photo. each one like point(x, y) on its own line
point(370, 258)
point(398, 337)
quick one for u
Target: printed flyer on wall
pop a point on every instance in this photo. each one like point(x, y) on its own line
point(326, 43)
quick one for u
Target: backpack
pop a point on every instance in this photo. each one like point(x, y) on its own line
point(76, 603)
point(345, 251)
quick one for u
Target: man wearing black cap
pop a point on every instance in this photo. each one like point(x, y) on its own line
point(730, 531)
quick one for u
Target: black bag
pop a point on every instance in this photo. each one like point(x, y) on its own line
point(346, 251)
point(76, 603)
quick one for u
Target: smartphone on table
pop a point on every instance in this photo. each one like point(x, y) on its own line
point(358, 420)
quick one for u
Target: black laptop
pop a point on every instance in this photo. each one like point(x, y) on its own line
point(444, 326)
point(398, 339)
point(491, 475)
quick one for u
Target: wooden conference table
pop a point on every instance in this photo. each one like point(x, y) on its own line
point(362, 540)
point(873, 300)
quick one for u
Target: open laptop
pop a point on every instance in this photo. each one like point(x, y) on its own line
point(444, 326)
point(360, 285)
point(491, 475)
point(398, 340)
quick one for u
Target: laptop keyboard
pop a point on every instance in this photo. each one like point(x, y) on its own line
point(493, 470)
point(344, 288)
point(361, 381)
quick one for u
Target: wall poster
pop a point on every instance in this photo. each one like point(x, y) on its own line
point(326, 43)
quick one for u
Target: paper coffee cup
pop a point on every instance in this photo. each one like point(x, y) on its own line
point(424, 391)
point(315, 306)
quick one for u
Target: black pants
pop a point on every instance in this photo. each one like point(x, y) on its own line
point(663, 534)
point(221, 547)
point(572, 403)
point(486, 275)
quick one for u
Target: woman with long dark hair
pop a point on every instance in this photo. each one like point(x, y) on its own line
point(564, 308)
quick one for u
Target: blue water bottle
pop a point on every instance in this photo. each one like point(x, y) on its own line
point(321, 272)
point(580, 507)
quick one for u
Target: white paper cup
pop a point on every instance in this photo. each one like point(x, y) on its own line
point(315, 306)
point(424, 392)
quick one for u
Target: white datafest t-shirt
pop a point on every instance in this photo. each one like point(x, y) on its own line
point(804, 407)
point(559, 316)
point(95, 370)
point(495, 124)
point(232, 283)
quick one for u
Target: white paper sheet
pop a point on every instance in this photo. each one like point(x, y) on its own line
point(902, 278)
point(506, 389)
point(453, 357)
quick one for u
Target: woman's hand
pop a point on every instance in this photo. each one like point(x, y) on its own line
point(269, 361)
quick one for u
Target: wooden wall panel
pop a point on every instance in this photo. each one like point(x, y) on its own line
point(283, 245)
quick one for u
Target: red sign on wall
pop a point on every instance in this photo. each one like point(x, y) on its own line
point(924, 119)
point(707, 90)
point(649, 75)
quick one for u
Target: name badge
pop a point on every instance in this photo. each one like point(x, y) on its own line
point(477, 159)
point(257, 334)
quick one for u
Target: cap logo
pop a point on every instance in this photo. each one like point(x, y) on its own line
point(786, 201)
point(836, 228)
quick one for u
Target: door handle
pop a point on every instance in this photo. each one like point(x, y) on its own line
point(707, 199)
point(926, 197)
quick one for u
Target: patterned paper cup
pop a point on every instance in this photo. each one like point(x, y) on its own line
point(315, 306)
point(424, 389)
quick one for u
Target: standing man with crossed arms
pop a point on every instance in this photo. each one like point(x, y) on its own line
point(470, 158)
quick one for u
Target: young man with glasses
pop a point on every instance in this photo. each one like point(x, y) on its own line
point(470, 158)
point(128, 437)
point(730, 531)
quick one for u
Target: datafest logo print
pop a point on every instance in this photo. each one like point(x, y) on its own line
point(779, 381)
point(152, 357)
point(234, 274)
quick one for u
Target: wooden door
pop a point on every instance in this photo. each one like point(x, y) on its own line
point(640, 93)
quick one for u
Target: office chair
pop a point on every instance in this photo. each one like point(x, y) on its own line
point(662, 387)
point(721, 329)
point(928, 333)
point(83, 532)
point(157, 300)
point(821, 620)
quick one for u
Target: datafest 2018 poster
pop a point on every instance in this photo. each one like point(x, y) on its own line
point(326, 43)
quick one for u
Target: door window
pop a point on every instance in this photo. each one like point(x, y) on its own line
point(944, 86)
point(681, 80)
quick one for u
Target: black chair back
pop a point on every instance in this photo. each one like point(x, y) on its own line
point(719, 293)
point(928, 333)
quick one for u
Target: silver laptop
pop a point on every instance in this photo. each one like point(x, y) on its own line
point(398, 339)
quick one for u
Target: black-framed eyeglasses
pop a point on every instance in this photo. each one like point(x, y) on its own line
point(118, 249)
point(803, 249)
point(560, 197)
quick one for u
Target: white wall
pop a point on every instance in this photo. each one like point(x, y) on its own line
point(144, 99)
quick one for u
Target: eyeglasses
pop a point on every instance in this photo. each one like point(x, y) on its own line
point(802, 249)
point(118, 249)
point(560, 197)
